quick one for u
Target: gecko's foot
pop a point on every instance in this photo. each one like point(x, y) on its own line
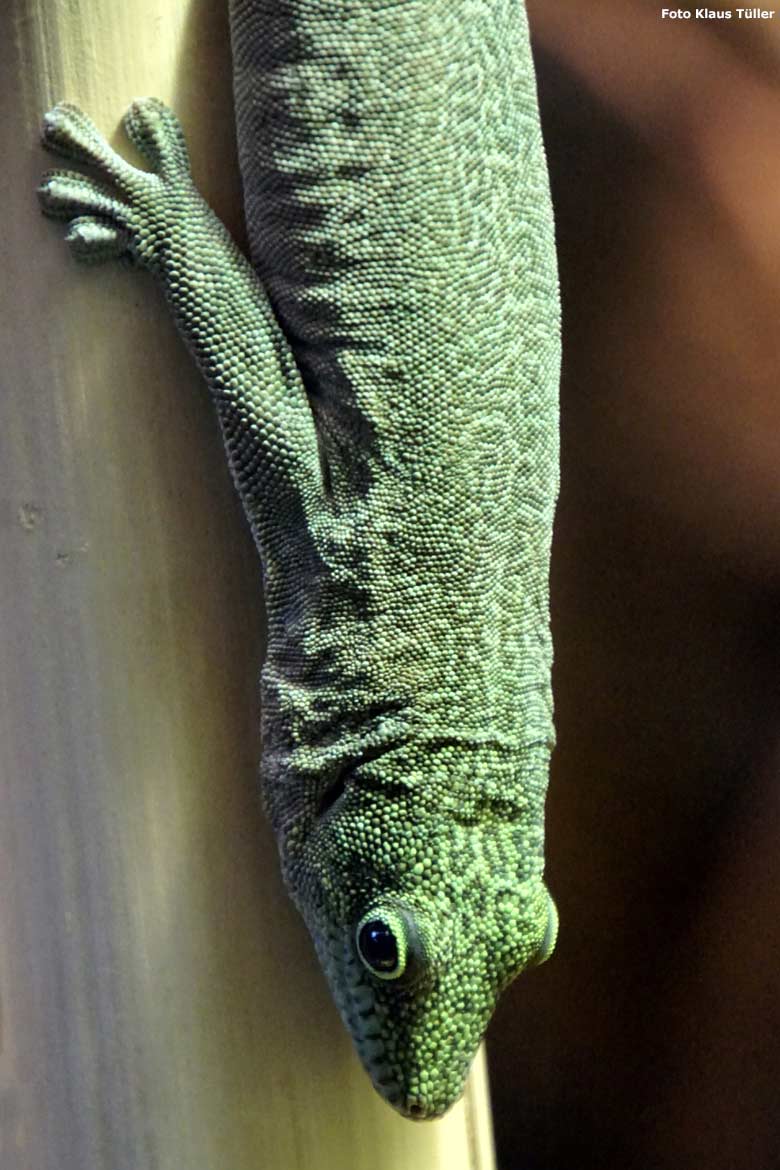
point(132, 214)
point(101, 225)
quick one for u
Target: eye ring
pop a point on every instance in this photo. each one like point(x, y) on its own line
point(382, 943)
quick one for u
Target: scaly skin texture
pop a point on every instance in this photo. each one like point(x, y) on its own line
point(385, 375)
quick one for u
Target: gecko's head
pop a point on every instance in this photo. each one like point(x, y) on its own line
point(416, 988)
point(419, 922)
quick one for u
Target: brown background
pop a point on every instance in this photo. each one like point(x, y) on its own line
point(652, 1039)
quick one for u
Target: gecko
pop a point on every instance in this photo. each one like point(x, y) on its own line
point(385, 374)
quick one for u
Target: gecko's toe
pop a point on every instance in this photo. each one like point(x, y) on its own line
point(93, 240)
point(156, 132)
point(67, 194)
point(102, 226)
point(67, 131)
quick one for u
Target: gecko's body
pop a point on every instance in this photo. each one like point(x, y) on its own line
point(387, 391)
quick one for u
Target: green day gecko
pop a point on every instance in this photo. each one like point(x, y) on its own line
point(385, 374)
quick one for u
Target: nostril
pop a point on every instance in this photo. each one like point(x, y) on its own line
point(417, 1110)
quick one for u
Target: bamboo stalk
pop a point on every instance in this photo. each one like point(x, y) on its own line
point(161, 1005)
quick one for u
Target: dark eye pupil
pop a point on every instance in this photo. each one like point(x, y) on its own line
point(378, 946)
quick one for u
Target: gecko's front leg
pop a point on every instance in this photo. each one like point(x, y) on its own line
point(159, 221)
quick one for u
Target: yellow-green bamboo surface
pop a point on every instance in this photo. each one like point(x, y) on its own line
point(161, 1006)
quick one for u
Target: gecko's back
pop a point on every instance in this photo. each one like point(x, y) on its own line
point(399, 215)
point(398, 211)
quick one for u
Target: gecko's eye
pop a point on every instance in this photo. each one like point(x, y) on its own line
point(382, 943)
